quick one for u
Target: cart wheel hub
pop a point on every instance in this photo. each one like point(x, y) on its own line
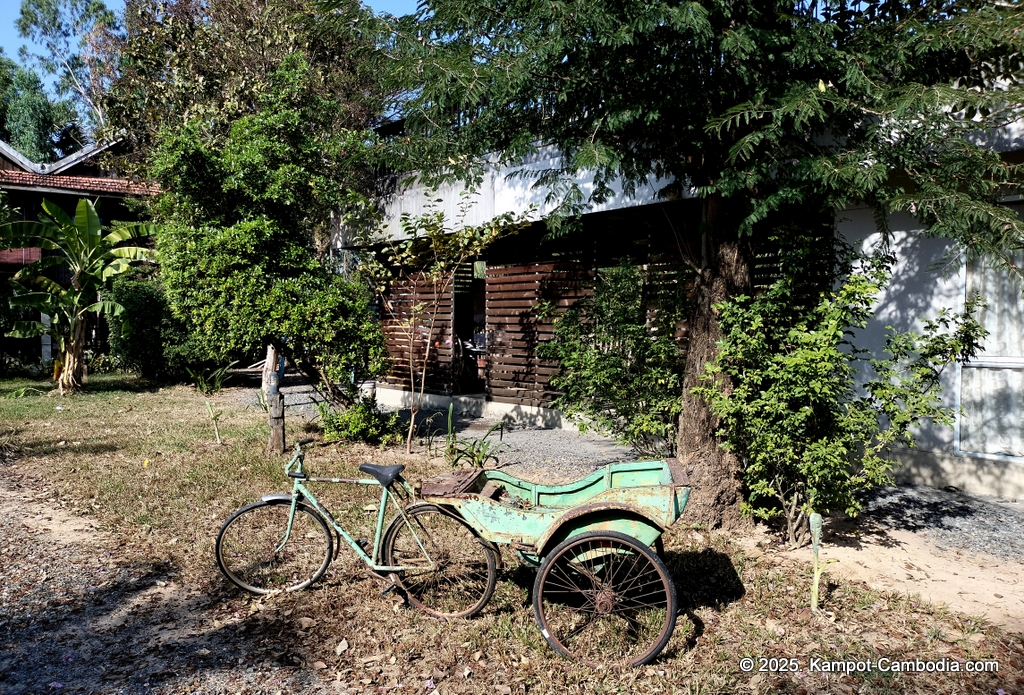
point(604, 601)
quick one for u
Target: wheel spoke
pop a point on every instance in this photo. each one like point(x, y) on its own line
point(255, 552)
point(605, 598)
point(456, 577)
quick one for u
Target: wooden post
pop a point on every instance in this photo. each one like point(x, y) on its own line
point(275, 415)
point(269, 365)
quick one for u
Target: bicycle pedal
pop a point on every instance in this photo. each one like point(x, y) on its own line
point(388, 590)
point(363, 543)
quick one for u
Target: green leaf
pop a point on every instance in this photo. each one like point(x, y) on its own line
point(87, 222)
point(106, 308)
point(28, 329)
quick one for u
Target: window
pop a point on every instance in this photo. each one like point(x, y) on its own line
point(991, 394)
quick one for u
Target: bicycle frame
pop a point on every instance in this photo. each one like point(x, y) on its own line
point(301, 492)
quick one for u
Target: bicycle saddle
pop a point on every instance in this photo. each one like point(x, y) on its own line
point(385, 475)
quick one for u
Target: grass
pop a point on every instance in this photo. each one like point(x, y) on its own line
point(143, 462)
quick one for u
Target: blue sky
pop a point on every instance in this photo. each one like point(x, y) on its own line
point(9, 9)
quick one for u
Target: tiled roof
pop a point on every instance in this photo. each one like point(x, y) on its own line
point(19, 256)
point(83, 184)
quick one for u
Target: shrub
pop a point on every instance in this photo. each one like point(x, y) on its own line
point(239, 287)
point(362, 421)
point(621, 371)
point(156, 345)
point(810, 439)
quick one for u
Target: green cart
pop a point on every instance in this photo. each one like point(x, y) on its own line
point(602, 593)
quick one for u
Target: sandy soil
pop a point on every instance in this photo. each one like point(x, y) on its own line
point(907, 562)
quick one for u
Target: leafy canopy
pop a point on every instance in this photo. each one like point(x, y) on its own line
point(251, 203)
point(212, 63)
point(239, 287)
point(768, 104)
point(79, 37)
point(39, 128)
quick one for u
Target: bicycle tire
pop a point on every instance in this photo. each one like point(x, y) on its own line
point(247, 547)
point(465, 572)
point(604, 598)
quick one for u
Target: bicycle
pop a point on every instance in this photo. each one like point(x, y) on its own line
point(283, 543)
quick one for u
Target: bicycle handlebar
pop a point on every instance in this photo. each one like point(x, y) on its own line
point(296, 461)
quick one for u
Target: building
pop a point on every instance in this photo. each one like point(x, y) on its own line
point(63, 182)
point(495, 305)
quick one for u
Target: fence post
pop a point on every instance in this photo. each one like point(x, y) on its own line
point(275, 414)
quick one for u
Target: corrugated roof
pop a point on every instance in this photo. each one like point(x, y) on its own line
point(60, 165)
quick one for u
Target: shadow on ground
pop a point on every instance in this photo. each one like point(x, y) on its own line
point(141, 632)
point(905, 508)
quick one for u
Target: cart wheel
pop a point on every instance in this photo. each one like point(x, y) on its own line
point(604, 598)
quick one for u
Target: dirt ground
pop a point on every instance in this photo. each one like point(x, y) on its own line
point(109, 505)
point(908, 563)
point(163, 613)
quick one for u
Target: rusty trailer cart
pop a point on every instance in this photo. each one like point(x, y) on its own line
point(602, 594)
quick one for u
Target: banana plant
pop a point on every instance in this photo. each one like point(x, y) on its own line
point(92, 258)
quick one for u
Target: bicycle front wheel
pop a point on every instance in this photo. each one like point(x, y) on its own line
point(254, 553)
point(605, 598)
point(450, 571)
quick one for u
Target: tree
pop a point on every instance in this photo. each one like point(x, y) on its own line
point(91, 257)
point(250, 204)
point(766, 111)
point(240, 287)
point(30, 121)
point(212, 63)
point(79, 37)
point(783, 385)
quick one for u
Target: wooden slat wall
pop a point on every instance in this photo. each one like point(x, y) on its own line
point(403, 298)
point(515, 374)
point(668, 284)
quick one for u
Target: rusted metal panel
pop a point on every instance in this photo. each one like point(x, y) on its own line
point(608, 516)
point(449, 484)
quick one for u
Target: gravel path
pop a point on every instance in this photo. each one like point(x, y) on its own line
point(952, 520)
point(548, 455)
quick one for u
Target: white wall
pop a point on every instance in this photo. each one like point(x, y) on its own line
point(509, 189)
point(922, 285)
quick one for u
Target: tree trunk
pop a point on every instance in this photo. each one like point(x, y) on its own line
point(70, 379)
point(727, 270)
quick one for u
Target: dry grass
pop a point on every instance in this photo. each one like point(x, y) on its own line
point(143, 462)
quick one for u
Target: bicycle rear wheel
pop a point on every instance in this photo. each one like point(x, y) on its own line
point(605, 598)
point(251, 555)
point(464, 572)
